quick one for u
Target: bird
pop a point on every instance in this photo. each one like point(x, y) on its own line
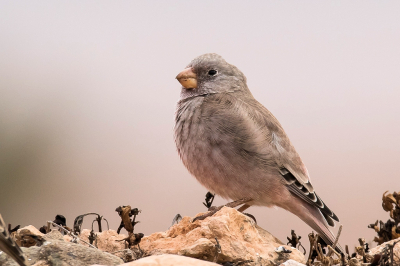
point(236, 148)
point(8, 245)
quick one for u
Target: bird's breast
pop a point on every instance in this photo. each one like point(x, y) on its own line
point(213, 150)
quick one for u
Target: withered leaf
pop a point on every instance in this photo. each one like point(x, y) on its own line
point(388, 201)
point(126, 219)
point(396, 195)
point(394, 233)
point(379, 240)
point(376, 227)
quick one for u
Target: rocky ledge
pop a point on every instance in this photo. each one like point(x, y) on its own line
point(228, 237)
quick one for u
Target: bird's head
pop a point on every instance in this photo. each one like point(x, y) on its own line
point(208, 74)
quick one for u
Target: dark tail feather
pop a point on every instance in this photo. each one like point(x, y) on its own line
point(313, 216)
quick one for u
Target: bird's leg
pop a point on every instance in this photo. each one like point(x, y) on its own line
point(244, 207)
point(232, 204)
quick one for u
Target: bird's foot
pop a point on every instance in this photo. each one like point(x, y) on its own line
point(251, 216)
point(233, 204)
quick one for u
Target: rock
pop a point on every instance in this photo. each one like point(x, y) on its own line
point(27, 230)
point(54, 235)
point(396, 249)
point(128, 255)
point(106, 240)
point(238, 235)
point(292, 263)
point(67, 238)
point(32, 230)
point(355, 262)
point(226, 237)
point(59, 252)
point(169, 260)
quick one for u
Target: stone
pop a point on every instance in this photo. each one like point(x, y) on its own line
point(238, 235)
point(108, 240)
point(53, 235)
point(67, 238)
point(169, 260)
point(59, 252)
point(128, 255)
point(396, 249)
point(226, 237)
point(27, 230)
point(292, 263)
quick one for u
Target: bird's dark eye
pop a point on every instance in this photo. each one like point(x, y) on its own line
point(212, 72)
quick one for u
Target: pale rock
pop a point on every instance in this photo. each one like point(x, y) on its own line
point(106, 240)
point(30, 229)
point(59, 252)
point(396, 249)
point(240, 239)
point(292, 263)
point(67, 238)
point(53, 235)
point(168, 260)
point(128, 255)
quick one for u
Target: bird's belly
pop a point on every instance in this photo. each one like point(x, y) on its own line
point(217, 163)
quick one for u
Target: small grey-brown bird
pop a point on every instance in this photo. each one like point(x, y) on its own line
point(237, 149)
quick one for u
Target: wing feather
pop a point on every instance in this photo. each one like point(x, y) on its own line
point(290, 165)
point(310, 197)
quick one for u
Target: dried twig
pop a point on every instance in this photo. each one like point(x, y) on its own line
point(176, 219)
point(336, 241)
point(11, 230)
point(126, 212)
point(74, 237)
point(294, 241)
point(8, 245)
point(209, 199)
point(79, 221)
point(313, 240)
point(218, 248)
point(323, 259)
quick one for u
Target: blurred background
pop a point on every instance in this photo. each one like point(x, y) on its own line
point(88, 95)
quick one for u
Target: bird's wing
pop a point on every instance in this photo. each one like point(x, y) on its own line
point(310, 197)
point(288, 161)
point(8, 245)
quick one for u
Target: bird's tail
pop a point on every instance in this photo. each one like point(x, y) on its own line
point(312, 216)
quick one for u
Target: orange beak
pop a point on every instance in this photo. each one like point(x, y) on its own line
point(187, 78)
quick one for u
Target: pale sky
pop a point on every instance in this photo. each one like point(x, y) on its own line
point(88, 95)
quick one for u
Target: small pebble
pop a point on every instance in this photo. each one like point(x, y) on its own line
point(282, 249)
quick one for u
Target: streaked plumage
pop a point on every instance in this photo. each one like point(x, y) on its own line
point(237, 149)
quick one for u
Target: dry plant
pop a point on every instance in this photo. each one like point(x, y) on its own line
point(391, 229)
